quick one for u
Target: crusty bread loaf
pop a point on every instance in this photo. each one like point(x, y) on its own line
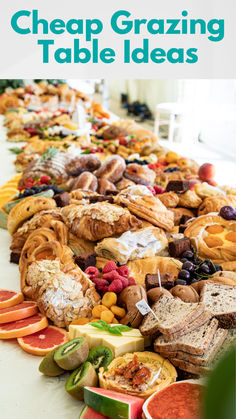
point(221, 301)
point(199, 321)
point(195, 342)
point(204, 359)
point(171, 316)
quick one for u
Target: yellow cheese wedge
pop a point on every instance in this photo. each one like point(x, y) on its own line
point(120, 345)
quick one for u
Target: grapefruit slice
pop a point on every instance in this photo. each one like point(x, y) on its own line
point(23, 327)
point(44, 341)
point(10, 298)
point(18, 312)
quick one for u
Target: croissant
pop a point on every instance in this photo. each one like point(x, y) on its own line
point(148, 207)
point(215, 203)
point(96, 221)
point(189, 199)
point(214, 237)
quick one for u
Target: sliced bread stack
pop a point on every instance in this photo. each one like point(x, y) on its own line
point(188, 332)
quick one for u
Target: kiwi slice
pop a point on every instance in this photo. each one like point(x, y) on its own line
point(83, 376)
point(49, 367)
point(73, 353)
point(100, 356)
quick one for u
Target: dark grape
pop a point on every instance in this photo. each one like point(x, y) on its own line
point(180, 282)
point(184, 260)
point(204, 269)
point(217, 267)
point(187, 254)
point(228, 212)
point(183, 274)
point(196, 260)
point(188, 266)
point(193, 281)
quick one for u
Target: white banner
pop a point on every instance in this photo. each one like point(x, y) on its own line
point(118, 39)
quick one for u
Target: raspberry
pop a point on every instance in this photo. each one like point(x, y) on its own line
point(92, 271)
point(123, 270)
point(124, 281)
point(110, 276)
point(159, 189)
point(152, 190)
point(105, 289)
point(116, 286)
point(131, 281)
point(110, 266)
point(100, 283)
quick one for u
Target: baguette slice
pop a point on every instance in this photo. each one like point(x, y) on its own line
point(221, 301)
point(195, 342)
point(172, 315)
point(199, 321)
point(204, 359)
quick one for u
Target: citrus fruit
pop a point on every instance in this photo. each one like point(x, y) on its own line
point(23, 327)
point(10, 298)
point(44, 341)
point(18, 312)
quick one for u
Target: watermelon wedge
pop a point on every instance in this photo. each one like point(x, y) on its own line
point(23, 327)
point(18, 312)
point(10, 298)
point(113, 404)
point(88, 413)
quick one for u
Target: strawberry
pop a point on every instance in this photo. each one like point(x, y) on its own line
point(109, 266)
point(123, 141)
point(45, 179)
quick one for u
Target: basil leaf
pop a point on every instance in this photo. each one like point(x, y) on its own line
point(16, 150)
point(98, 326)
point(114, 331)
point(123, 328)
point(86, 151)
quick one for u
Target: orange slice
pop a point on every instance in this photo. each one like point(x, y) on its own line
point(44, 341)
point(10, 298)
point(23, 327)
point(18, 312)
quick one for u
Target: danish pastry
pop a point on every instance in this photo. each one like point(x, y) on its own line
point(97, 221)
point(25, 209)
point(214, 237)
point(145, 242)
point(215, 203)
point(148, 207)
point(169, 199)
point(140, 174)
point(112, 169)
point(80, 246)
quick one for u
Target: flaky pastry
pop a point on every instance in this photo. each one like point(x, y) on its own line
point(189, 199)
point(215, 203)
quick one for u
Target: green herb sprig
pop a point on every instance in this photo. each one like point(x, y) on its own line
point(113, 330)
point(49, 154)
point(16, 150)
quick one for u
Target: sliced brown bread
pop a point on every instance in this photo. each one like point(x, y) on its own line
point(204, 359)
point(199, 321)
point(171, 316)
point(190, 367)
point(221, 301)
point(195, 342)
point(228, 343)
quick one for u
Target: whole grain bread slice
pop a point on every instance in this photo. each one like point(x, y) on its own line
point(171, 315)
point(204, 359)
point(195, 342)
point(190, 367)
point(221, 301)
point(199, 321)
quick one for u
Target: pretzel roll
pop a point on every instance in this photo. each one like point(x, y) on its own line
point(140, 174)
point(25, 209)
point(85, 181)
point(105, 186)
point(112, 169)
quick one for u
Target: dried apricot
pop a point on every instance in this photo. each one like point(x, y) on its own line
point(109, 299)
point(231, 236)
point(118, 311)
point(107, 316)
point(97, 310)
point(80, 321)
point(115, 321)
point(215, 229)
point(213, 241)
